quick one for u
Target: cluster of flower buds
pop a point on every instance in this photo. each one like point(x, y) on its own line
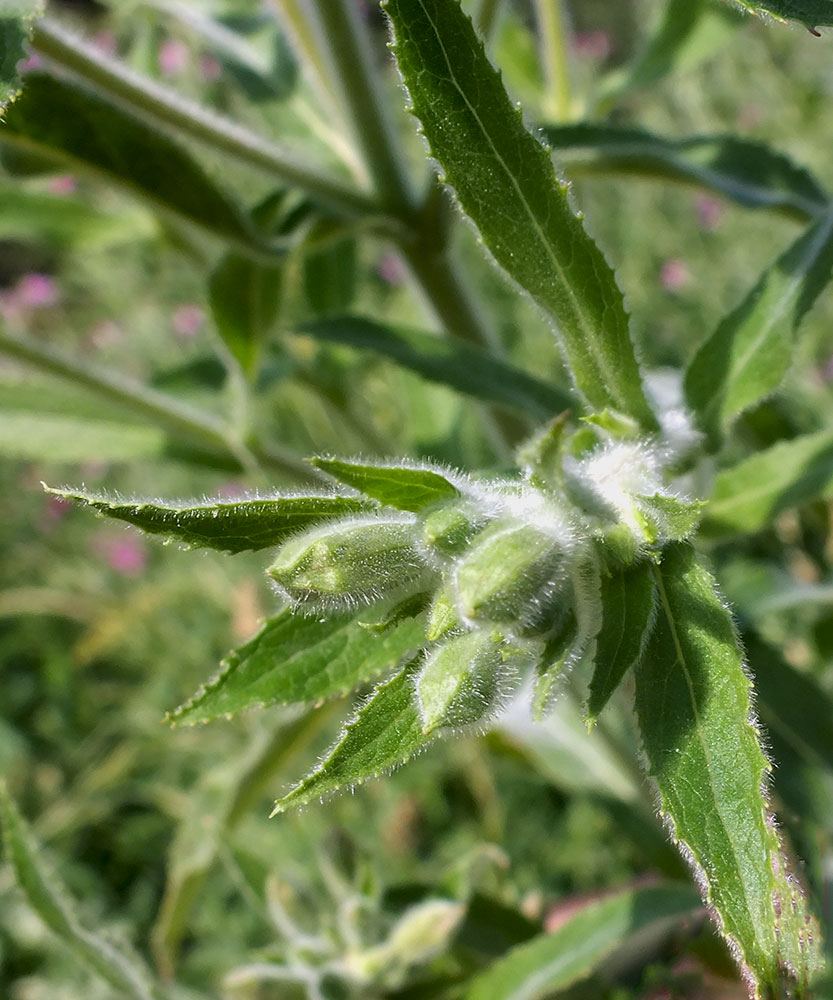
point(507, 573)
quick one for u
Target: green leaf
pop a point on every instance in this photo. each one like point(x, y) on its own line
point(811, 13)
point(506, 183)
point(16, 19)
point(64, 121)
point(329, 275)
point(402, 486)
point(227, 525)
point(628, 603)
point(299, 658)
point(693, 705)
point(448, 362)
point(553, 962)
point(751, 350)
point(748, 496)
point(746, 172)
point(44, 893)
point(669, 518)
point(245, 299)
point(386, 731)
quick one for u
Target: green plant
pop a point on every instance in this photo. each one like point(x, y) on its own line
point(582, 563)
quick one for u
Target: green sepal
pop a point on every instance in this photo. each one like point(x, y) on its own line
point(405, 487)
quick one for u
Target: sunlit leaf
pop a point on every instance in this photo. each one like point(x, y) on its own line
point(406, 487)
point(628, 599)
point(505, 181)
point(122, 971)
point(747, 496)
point(300, 658)
point(693, 704)
point(227, 525)
point(386, 731)
point(552, 962)
point(751, 350)
point(811, 13)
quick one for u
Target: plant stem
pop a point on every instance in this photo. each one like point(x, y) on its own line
point(352, 58)
point(552, 25)
point(193, 120)
point(487, 18)
point(158, 408)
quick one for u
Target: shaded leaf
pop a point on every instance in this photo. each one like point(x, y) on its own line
point(124, 972)
point(506, 183)
point(693, 705)
point(747, 496)
point(404, 487)
point(330, 274)
point(628, 600)
point(298, 658)
point(553, 962)
point(227, 525)
point(742, 170)
point(16, 19)
point(811, 13)
point(750, 352)
point(448, 362)
point(386, 731)
point(64, 121)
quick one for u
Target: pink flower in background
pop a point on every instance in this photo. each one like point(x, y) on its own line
point(674, 275)
point(173, 57)
point(106, 42)
point(592, 44)
point(64, 184)
point(709, 210)
point(55, 509)
point(125, 555)
point(31, 62)
point(210, 68)
point(390, 269)
point(188, 320)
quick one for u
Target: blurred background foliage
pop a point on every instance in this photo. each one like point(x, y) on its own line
point(162, 835)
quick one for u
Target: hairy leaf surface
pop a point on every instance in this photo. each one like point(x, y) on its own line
point(122, 971)
point(811, 13)
point(62, 120)
point(553, 962)
point(750, 352)
point(747, 496)
point(227, 525)
point(386, 731)
point(404, 487)
point(627, 612)
point(298, 658)
point(693, 704)
point(746, 172)
point(506, 183)
point(448, 362)
point(16, 19)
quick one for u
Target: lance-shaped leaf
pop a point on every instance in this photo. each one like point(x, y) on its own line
point(750, 352)
point(506, 183)
point(122, 971)
point(668, 518)
point(299, 658)
point(227, 525)
point(553, 962)
point(747, 496)
point(627, 614)
point(746, 172)
point(402, 486)
point(693, 705)
point(16, 19)
point(446, 361)
point(811, 13)
point(61, 120)
point(386, 731)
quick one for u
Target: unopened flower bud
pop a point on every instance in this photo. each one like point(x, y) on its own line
point(448, 530)
point(511, 575)
point(350, 562)
point(460, 681)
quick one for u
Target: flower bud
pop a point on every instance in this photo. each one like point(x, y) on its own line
point(448, 530)
point(345, 563)
point(460, 681)
point(512, 575)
